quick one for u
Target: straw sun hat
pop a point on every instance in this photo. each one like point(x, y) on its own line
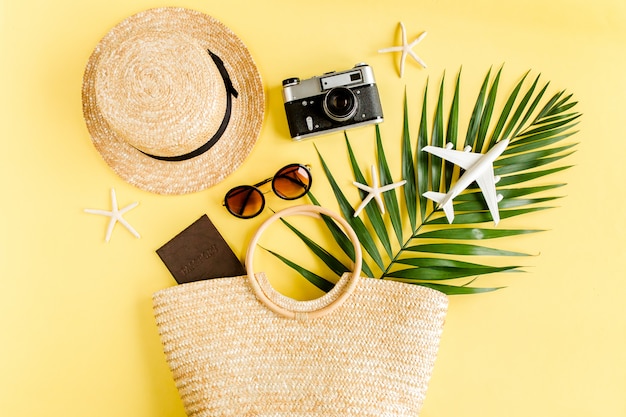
point(173, 100)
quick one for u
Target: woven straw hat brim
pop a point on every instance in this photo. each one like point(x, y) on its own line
point(237, 141)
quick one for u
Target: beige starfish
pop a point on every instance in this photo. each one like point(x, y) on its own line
point(406, 49)
point(375, 192)
point(116, 216)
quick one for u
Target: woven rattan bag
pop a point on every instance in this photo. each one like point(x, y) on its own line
point(237, 347)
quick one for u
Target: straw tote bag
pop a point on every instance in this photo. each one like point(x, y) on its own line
point(237, 347)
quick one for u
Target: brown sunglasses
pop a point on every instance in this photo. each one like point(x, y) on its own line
point(290, 182)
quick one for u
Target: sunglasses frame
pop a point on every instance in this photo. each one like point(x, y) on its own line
point(255, 189)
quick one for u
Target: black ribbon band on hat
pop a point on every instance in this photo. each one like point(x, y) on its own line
point(230, 91)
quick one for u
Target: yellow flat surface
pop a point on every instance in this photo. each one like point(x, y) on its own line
point(77, 335)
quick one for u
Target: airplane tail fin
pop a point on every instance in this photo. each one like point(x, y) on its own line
point(439, 198)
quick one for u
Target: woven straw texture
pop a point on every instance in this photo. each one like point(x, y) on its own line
point(151, 86)
point(231, 356)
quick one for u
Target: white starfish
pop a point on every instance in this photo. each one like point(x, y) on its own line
point(406, 48)
point(116, 216)
point(375, 192)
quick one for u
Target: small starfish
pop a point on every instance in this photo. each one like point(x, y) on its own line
point(375, 192)
point(406, 48)
point(116, 216)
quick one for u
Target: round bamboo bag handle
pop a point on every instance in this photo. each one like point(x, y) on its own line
point(352, 278)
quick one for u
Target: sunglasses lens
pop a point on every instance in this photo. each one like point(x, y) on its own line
point(244, 201)
point(292, 181)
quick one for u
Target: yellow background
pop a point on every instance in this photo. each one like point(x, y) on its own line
point(77, 337)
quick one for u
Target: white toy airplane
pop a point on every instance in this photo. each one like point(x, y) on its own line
point(478, 167)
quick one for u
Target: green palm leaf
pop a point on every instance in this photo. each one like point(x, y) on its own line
point(455, 289)
point(529, 176)
point(331, 261)
point(452, 132)
point(473, 233)
point(314, 279)
point(487, 113)
point(461, 249)
point(339, 237)
point(371, 210)
point(391, 201)
point(526, 164)
point(408, 170)
point(444, 273)
point(474, 123)
point(485, 217)
point(366, 239)
point(422, 158)
point(433, 248)
point(495, 136)
point(436, 139)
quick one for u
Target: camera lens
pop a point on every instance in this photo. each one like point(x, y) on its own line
point(340, 104)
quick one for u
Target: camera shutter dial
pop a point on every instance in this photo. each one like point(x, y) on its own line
point(291, 81)
point(340, 104)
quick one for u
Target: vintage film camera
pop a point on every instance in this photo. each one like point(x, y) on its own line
point(331, 102)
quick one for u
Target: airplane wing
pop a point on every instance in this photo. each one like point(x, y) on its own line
point(487, 184)
point(461, 158)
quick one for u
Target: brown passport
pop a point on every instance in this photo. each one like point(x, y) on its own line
point(200, 252)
